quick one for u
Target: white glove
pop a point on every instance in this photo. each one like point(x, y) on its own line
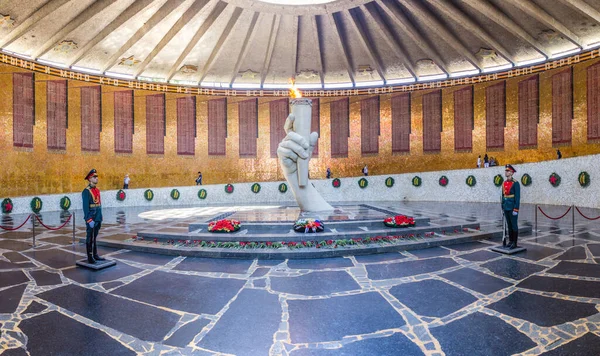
point(92, 224)
point(515, 213)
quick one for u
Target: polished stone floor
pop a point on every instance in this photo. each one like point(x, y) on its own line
point(454, 300)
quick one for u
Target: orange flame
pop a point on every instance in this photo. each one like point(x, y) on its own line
point(294, 92)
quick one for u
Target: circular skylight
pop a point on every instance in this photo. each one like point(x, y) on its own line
point(298, 2)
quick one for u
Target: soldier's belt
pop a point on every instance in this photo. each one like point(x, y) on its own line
point(94, 205)
point(509, 196)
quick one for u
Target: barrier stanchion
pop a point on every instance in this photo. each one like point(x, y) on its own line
point(73, 228)
point(536, 209)
point(573, 218)
point(33, 229)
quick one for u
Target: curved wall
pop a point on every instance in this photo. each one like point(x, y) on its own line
point(38, 170)
point(569, 192)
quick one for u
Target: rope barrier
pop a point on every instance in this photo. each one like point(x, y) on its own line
point(54, 228)
point(580, 213)
point(17, 228)
point(551, 218)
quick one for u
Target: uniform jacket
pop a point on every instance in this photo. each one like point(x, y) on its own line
point(512, 200)
point(92, 207)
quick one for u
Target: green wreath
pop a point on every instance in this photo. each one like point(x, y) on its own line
point(498, 180)
point(7, 206)
point(202, 194)
point(36, 205)
point(65, 203)
point(526, 180)
point(363, 183)
point(149, 194)
point(389, 182)
point(175, 194)
point(255, 188)
point(229, 188)
point(584, 179)
point(417, 181)
point(121, 195)
point(471, 181)
point(554, 180)
point(283, 188)
point(443, 181)
point(336, 183)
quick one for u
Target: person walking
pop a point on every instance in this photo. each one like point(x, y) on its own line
point(92, 214)
point(486, 161)
point(126, 182)
point(199, 179)
point(365, 170)
point(558, 154)
point(328, 173)
point(511, 199)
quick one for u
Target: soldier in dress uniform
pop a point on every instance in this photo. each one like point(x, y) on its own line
point(92, 214)
point(511, 198)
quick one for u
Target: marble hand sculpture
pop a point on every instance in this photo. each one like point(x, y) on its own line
point(292, 150)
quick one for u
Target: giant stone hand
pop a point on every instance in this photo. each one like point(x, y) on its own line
point(291, 149)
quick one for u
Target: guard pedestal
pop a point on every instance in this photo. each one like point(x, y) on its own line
point(506, 251)
point(95, 266)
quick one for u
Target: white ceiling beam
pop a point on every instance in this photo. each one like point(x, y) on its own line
point(366, 41)
point(346, 57)
point(158, 16)
point(31, 21)
point(584, 8)
point(317, 43)
point(468, 24)
point(187, 16)
point(250, 35)
point(77, 21)
point(131, 11)
point(269, 54)
point(212, 17)
point(219, 45)
point(445, 33)
point(411, 31)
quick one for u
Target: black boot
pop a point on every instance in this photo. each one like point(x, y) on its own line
point(90, 257)
point(96, 257)
point(513, 243)
point(516, 237)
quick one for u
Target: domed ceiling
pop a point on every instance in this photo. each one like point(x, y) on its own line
point(320, 43)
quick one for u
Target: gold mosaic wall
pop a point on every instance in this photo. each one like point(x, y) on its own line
point(40, 171)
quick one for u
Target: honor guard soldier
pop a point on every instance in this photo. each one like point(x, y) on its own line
point(92, 214)
point(511, 198)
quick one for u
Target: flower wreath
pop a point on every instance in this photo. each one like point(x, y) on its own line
point(175, 194)
point(526, 180)
point(363, 183)
point(554, 180)
point(471, 181)
point(416, 181)
point(584, 179)
point(224, 225)
point(149, 194)
point(283, 188)
point(308, 225)
point(121, 195)
point(399, 221)
point(389, 182)
point(7, 206)
point(229, 188)
point(65, 203)
point(202, 194)
point(36, 205)
point(255, 188)
point(336, 182)
point(443, 181)
point(498, 180)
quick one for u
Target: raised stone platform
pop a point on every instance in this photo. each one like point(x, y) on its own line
point(95, 266)
point(506, 251)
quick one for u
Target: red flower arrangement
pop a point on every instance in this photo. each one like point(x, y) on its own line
point(7, 206)
point(308, 225)
point(121, 195)
point(399, 221)
point(224, 225)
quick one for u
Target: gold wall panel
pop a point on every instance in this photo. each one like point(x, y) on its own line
point(40, 171)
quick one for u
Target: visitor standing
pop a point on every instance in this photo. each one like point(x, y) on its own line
point(126, 182)
point(511, 198)
point(479, 161)
point(558, 154)
point(486, 161)
point(92, 214)
point(328, 173)
point(365, 170)
point(199, 179)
